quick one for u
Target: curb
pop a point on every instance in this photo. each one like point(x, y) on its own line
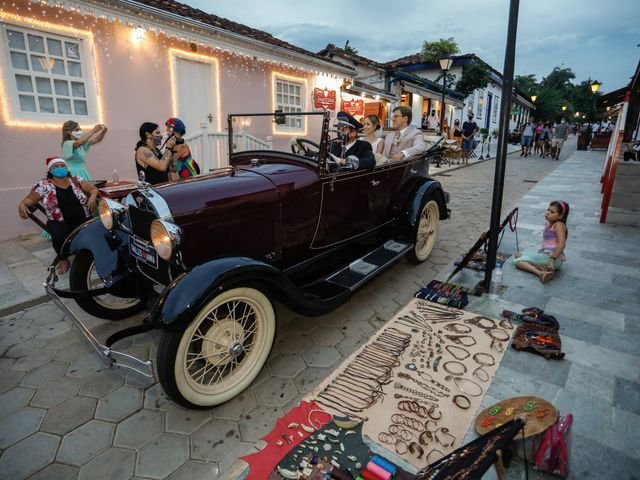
point(25, 304)
point(458, 167)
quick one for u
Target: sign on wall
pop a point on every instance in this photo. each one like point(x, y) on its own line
point(324, 98)
point(353, 107)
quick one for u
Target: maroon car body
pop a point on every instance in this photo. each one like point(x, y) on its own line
point(273, 226)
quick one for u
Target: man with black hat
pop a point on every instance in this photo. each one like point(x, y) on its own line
point(348, 128)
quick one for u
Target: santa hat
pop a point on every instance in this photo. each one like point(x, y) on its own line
point(51, 160)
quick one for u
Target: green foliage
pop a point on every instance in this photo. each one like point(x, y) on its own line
point(527, 83)
point(475, 75)
point(484, 132)
point(350, 49)
point(434, 51)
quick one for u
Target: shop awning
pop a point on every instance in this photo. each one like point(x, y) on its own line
point(427, 88)
point(359, 88)
point(613, 98)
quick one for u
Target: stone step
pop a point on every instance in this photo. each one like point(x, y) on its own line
point(626, 184)
point(620, 217)
point(625, 201)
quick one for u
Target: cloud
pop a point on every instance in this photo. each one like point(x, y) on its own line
point(592, 38)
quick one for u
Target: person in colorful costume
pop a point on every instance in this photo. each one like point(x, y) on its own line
point(183, 163)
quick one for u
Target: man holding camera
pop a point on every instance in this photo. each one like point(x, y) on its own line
point(348, 128)
point(182, 163)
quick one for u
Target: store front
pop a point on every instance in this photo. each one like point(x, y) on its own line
point(361, 100)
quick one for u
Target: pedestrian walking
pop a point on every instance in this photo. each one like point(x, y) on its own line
point(527, 138)
point(560, 134)
point(469, 130)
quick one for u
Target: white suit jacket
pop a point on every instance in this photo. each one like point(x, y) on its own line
point(411, 143)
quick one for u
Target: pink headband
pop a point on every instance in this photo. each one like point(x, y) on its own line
point(564, 206)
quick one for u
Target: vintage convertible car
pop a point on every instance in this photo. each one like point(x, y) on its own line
point(209, 256)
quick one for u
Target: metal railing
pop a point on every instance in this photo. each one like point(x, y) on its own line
point(211, 149)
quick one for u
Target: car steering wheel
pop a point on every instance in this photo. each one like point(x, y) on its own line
point(301, 147)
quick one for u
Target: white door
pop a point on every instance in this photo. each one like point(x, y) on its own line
point(195, 103)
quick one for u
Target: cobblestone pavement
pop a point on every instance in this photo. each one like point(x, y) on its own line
point(62, 415)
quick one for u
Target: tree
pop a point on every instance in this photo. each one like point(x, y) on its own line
point(475, 74)
point(434, 51)
point(527, 83)
point(350, 49)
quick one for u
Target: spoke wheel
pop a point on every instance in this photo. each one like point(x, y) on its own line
point(83, 276)
point(222, 350)
point(426, 232)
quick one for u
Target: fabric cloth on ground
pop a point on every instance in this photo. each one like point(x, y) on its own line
point(263, 462)
point(427, 398)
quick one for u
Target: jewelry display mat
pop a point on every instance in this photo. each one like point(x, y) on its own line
point(451, 355)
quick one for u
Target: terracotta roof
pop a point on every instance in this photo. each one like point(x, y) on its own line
point(331, 49)
point(416, 59)
point(196, 14)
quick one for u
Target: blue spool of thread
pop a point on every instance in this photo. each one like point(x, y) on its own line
point(382, 463)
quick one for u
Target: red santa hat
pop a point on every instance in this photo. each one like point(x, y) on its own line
point(51, 160)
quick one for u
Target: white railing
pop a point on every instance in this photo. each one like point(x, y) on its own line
point(211, 149)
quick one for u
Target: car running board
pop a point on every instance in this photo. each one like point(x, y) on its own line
point(359, 271)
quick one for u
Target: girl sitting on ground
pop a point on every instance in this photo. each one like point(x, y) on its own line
point(545, 261)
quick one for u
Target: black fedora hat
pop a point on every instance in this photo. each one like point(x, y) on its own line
point(345, 117)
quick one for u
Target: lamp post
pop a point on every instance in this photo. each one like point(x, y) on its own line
point(445, 65)
point(595, 86)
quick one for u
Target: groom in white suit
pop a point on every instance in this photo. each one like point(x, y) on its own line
point(406, 141)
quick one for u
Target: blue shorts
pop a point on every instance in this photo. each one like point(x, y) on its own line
point(467, 144)
point(526, 141)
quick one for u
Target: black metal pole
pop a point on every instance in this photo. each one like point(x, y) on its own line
point(444, 86)
point(501, 154)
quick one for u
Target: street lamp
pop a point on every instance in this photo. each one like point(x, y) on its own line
point(534, 98)
point(595, 86)
point(564, 108)
point(445, 65)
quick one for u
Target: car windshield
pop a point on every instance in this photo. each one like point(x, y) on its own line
point(293, 133)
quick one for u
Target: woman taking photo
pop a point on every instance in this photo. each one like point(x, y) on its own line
point(67, 201)
point(76, 144)
point(149, 159)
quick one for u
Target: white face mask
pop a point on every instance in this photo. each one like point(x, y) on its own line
point(77, 134)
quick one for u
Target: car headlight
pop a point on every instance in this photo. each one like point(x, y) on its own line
point(110, 212)
point(165, 237)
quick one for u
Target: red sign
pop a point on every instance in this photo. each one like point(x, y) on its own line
point(324, 98)
point(353, 107)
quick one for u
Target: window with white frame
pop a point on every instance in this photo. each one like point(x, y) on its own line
point(290, 96)
point(48, 76)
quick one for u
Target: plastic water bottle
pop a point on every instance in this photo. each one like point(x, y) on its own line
point(496, 281)
point(116, 178)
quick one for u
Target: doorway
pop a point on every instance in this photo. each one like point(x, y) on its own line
point(487, 117)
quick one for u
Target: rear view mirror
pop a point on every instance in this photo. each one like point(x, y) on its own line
point(280, 119)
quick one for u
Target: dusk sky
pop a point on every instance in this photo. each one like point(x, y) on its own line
point(596, 39)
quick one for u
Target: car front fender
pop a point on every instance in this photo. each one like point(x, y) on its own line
point(410, 215)
point(107, 247)
point(181, 301)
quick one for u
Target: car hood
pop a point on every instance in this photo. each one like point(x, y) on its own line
point(223, 190)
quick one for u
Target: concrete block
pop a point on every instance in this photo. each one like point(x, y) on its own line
point(214, 440)
point(85, 442)
point(28, 456)
point(162, 456)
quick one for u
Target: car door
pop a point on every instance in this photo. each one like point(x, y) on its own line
point(352, 204)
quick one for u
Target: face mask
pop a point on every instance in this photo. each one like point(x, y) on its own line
point(77, 134)
point(157, 140)
point(59, 172)
point(562, 121)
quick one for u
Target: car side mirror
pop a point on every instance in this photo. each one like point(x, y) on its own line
point(353, 162)
point(280, 119)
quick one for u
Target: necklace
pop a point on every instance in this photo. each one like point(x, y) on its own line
point(465, 385)
point(464, 340)
point(458, 353)
point(484, 359)
point(417, 393)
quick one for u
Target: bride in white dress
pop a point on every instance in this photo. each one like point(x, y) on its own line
point(371, 124)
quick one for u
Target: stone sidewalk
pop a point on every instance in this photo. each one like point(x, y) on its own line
point(62, 415)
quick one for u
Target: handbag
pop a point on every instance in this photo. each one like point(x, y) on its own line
point(554, 451)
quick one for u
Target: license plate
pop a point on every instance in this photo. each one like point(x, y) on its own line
point(143, 252)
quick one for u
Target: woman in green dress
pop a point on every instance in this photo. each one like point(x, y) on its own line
point(76, 144)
